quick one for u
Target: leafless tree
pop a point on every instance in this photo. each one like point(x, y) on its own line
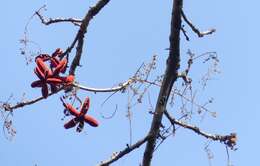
point(137, 85)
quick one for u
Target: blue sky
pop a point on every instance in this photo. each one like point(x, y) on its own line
point(119, 39)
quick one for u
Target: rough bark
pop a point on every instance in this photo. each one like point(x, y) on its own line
point(170, 76)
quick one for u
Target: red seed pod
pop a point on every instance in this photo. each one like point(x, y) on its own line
point(70, 124)
point(80, 117)
point(85, 106)
point(64, 68)
point(44, 57)
point(54, 62)
point(91, 121)
point(55, 80)
point(69, 79)
point(61, 80)
point(57, 52)
point(86, 103)
point(39, 73)
point(37, 84)
point(72, 110)
point(44, 90)
point(61, 67)
point(80, 127)
point(53, 88)
point(43, 67)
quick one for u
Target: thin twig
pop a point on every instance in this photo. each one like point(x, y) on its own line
point(108, 98)
point(210, 53)
point(194, 29)
point(228, 157)
point(29, 102)
point(9, 127)
point(127, 150)
point(129, 117)
point(229, 140)
point(110, 116)
point(177, 93)
point(48, 21)
point(185, 34)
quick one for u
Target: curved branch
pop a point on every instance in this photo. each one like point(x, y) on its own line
point(120, 87)
point(194, 29)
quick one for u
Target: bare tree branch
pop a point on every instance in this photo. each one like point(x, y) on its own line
point(120, 87)
point(170, 76)
point(8, 107)
point(194, 29)
point(127, 150)
point(80, 35)
point(185, 34)
point(229, 140)
point(49, 21)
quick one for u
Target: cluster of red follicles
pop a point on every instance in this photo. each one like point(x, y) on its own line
point(48, 69)
point(49, 74)
point(79, 117)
